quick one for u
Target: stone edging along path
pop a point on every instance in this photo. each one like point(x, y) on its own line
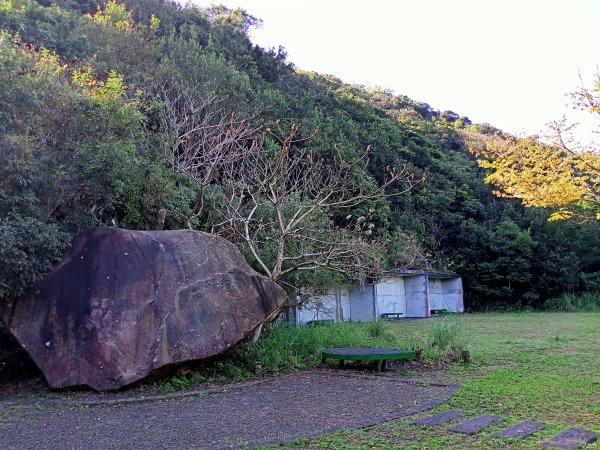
point(202, 392)
point(138, 398)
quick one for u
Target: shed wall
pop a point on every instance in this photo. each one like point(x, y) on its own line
point(436, 294)
point(452, 290)
point(412, 295)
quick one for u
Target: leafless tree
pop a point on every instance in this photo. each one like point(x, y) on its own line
point(279, 200)
point(199, 138)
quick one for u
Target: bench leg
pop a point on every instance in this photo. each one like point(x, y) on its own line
point(341, 363)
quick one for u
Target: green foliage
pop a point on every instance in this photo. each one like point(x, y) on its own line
point(28, 248)
point(68, 157)
point(447, 339)
point(151, 193)
point(114, 14)
point(80, 146)
point(587, 301)
point(284, 348)
point(509, 273)
point(591, 281)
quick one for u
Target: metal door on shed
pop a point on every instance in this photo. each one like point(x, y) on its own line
point(436, 294)
point(390, 296)
point(362, 303)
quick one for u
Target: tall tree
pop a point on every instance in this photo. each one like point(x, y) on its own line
point(285, 194)
point(281, 200)
point(561, 174)
point(198, 138)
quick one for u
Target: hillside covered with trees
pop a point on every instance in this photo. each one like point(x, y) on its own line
point(148, 115)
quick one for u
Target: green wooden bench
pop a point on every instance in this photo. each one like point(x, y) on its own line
point(378, 355)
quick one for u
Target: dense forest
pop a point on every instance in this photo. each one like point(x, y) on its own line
point(99, 100)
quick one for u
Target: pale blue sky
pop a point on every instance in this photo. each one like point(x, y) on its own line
point(509, 62)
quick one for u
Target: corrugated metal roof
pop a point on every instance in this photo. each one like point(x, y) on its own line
point(430, 273)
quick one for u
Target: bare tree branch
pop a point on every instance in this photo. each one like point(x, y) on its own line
point(199, 138)
point(278, 197)
point(280, 202)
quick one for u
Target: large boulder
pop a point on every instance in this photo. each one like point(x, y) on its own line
point(122, 304)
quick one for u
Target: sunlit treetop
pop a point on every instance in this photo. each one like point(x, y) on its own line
point(543, 175)
point(557, 174)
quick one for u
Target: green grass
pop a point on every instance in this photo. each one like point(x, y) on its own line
point(537, 366)
point(282, 349)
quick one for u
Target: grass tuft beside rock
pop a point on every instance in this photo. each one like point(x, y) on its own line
point(286, 348)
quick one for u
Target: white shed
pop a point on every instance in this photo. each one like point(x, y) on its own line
point(406, 292)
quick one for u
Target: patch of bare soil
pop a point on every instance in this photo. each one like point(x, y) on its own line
point(562, 351)
point(485, 370)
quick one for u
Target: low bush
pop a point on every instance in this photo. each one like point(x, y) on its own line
point(447, 340)
point(286, 348)
point(376, 328)
point(586, 302)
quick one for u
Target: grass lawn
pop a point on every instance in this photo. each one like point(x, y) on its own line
point(537, 366)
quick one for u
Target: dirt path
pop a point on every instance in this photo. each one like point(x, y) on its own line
point(300, 404)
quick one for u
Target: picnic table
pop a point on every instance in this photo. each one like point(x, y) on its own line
point(378, 355)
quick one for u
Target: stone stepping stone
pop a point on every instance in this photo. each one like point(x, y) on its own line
point(474, 425)
point(520, 430)
point(570, 439)
point(440, 418)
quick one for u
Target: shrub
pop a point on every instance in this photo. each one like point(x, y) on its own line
point(376, 328)
point(586, 302)
point(283, 348)
point(447, 339)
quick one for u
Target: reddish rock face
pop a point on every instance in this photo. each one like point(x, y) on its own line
point(122, 304)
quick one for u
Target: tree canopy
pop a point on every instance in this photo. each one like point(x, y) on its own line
point(559, 174)
point(134, 114)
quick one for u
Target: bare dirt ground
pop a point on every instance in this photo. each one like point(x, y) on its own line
point(268, 411)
